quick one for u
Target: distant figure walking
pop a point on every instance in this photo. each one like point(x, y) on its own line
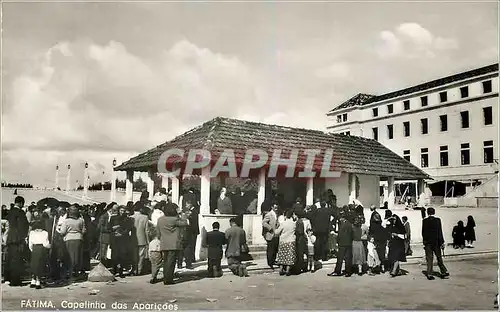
point(15, 192)
point(470, 233)
point(432, 235)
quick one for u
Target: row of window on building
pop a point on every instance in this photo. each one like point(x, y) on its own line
point(424, 100)
point(465, 158)
point(443, 119)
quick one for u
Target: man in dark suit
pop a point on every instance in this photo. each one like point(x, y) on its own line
point(16, 242)
point(321, 225)
point(345, 248)
point(168, 229)
point(432, 235)
point(236, 237)
point(214, 241)
point(190, 234)
point(104, 233)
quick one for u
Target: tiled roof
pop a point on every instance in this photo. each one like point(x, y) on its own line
point(421, 87)
point(358, 99)
point(351, 154)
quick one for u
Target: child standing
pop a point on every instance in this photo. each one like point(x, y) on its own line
point(214, 241)
point(38, 242)
point(155, 256)
point(311, 239)
point(373, 260)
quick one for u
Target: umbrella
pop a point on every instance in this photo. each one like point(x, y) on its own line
point(48, 201)
point(64, 204)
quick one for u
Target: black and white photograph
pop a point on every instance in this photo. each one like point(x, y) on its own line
point(249, 155)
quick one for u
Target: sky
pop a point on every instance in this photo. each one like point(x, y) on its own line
point(89, 82)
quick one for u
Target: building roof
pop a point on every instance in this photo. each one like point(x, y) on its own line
point(358, 99)
point(363, 99)
point(351, 154)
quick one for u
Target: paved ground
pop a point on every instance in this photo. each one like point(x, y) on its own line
point(472, 285)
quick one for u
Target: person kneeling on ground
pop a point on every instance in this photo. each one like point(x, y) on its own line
point(214, 241)
point(236, 239)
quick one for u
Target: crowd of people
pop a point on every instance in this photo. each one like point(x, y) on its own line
point(298, 239)
point(55, 241)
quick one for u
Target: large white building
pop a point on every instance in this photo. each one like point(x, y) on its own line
point(448, 127)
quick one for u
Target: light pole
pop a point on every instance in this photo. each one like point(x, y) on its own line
point(68, 179)
point(85, 181)
point(113, 182)
point(102, 182)
point(57, 177)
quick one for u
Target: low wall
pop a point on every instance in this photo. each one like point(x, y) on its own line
point(460, 202)
point(205, 224)
point(487, 202)
point(252, 224)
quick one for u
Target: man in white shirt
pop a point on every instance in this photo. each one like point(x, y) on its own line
point(161, 195)
point(157, 212)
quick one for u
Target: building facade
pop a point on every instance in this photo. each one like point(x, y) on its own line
point(447, 127)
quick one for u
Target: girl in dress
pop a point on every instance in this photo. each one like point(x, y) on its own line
point(39, 245)
point(373, 260)
point(311, 239)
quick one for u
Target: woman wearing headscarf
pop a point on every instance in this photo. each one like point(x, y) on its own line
point(72, 230)
point(470, 233)
point(458, 235)
point(286, 248)
point(224, 205)
point(397, 252)
point(302, 225)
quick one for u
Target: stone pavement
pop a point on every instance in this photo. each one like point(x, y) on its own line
point(471, 286)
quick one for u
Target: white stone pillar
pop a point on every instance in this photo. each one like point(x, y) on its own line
point(352, 185)
point(310, 191)
point(261, 195)
point(392, 193)
point(129, 186)
point(164, 182)
point(420, 193)
point(205, 190)
point(151, 184)
point(113, 186)
point(175, 190)
point(68, 179)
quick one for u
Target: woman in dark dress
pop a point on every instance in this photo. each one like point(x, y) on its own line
point(396, 245)
point(470, 233)
point(300, 242)
point(119, 226)
point(458, 235)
